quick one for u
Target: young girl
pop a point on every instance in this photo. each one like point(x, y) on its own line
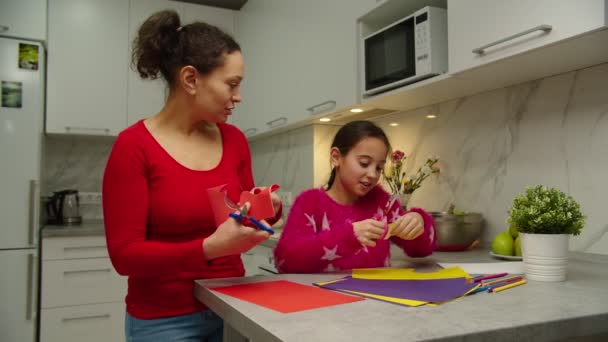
point(342, 227)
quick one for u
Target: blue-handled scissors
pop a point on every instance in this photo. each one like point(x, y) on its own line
point(242, 215)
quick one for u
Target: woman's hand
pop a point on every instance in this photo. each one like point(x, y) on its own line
point(231, 238)
point(276, 202)
point(367, 231)
point(409, 226)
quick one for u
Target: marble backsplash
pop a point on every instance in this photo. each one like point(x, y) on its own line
point(491, 146)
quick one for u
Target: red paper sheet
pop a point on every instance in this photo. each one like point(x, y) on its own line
point(286, 296)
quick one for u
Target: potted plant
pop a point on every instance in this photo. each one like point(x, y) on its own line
point(401, 185)
point(545, 218)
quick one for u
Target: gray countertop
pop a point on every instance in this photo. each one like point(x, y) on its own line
point(536, 311)
point(87, 228)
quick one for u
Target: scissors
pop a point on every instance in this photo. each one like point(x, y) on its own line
point(242, 215)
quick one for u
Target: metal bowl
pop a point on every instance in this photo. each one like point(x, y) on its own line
point(457, 232)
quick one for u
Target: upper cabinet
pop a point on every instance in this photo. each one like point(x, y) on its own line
point(483, 31)
point(87, 68)
point(300, 60)
point(23, 19)
point(147, 97)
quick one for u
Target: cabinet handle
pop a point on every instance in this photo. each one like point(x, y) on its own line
point(545, 28)
point(250, 131)
point(277, 122)
point(29, 301)
point(267, 269)
point(313, 109)
point(67, 249)
point(78, 318)
point(3, 28)
point(34, 211)
point(87, 271)
point(86, 129)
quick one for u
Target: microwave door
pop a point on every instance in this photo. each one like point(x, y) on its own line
point(390, 56)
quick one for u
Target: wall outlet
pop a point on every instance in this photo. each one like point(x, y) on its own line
point(89, 197)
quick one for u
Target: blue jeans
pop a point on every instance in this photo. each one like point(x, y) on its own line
point(198, 326)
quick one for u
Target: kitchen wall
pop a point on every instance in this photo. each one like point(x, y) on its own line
point(491, 145)
point(75, 162)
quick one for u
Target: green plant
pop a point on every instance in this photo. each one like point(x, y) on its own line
point(542, 210)
point(396, 178)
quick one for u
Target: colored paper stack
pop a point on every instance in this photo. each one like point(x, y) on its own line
point(405, 286)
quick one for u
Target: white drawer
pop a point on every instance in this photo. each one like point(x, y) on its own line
point(90, 323)
point(75, 247)
point(82, 281)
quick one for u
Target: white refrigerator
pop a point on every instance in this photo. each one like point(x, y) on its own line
point(22, 77)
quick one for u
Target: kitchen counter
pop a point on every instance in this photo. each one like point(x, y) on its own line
point(87, 228)
point(536, 311)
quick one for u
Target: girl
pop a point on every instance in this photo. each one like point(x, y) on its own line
point(159, 223)
point(337, 228)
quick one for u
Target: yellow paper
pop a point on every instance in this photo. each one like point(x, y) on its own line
point(408, 274)
point(402, 301)
point(391, 227)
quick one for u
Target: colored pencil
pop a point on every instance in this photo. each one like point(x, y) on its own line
point(508, 286)
point(490, 276)
point(503, 280)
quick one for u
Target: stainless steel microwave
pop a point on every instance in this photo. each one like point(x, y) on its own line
point(409, 50)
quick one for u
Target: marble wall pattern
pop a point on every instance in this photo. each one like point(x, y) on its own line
point(492, 145)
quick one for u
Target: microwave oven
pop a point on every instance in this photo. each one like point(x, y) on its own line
point(409, 50)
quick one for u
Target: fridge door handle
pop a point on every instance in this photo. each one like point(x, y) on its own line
point(30, 302)
point(34, 211)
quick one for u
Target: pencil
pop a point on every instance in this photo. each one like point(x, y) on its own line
point(503, 280)
point(508, 286)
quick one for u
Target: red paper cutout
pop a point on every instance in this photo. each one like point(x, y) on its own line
point(286, 296)
point(261, 204)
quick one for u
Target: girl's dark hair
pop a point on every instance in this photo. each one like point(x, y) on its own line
point(163, 46)
point(350, 135)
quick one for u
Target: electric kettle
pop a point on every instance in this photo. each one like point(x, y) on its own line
point(64, 207)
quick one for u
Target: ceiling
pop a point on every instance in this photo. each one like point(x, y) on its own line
point(229, 4)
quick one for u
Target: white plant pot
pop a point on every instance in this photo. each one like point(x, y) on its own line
point(545, 256)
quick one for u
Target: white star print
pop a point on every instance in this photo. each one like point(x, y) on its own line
point(387, 262)
point(330, 268)
point(395, 215)
point(432, 235)
point(330, 254)
point(311, 222)
point(325, 224)
point(380, 211)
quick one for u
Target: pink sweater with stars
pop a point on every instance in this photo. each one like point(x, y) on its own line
point(319, 237)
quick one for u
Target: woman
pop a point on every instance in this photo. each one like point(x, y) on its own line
point(159, 224)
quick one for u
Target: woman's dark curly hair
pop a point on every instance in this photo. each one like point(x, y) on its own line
point(164, 46)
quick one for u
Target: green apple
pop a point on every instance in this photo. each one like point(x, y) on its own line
point(503, 244)
point(517, 246)
point(513, 231)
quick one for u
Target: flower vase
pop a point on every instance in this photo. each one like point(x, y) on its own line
point(404, 200)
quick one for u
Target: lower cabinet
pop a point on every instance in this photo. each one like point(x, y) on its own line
point(82, 296)
point(259, 261)
point(91, 323)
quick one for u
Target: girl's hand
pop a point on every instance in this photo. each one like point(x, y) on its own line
point(231, 238)
point(409, 226)
point(367, 231)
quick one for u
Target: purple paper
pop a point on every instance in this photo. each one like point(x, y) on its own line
point(435, 291)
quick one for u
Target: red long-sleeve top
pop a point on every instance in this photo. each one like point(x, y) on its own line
point(157, 213)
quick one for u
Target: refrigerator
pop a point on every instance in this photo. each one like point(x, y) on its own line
point(22, 77)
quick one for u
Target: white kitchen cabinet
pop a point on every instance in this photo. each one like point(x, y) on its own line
point(87, 69)
point(18, 295)
point(473, 24)
point(300, 60)
point(23, 19)
point(258, 261)
point(81, 293)
point(91, 323)
point(147, 97)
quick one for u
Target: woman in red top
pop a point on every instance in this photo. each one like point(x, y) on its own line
point(159, 224)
